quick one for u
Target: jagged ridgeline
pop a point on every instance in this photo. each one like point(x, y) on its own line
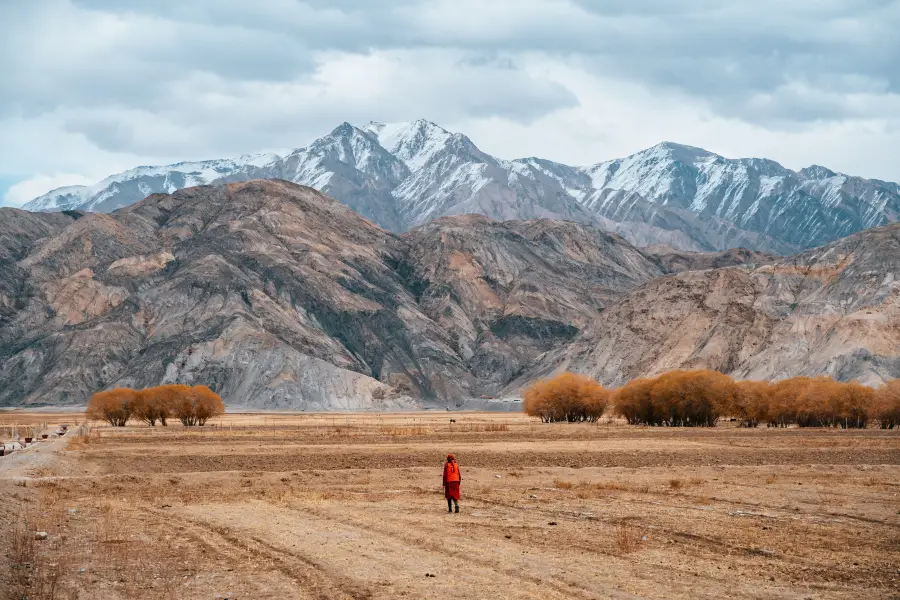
point(276, 296)
point(404, 175)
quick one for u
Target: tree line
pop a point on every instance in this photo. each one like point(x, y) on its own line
point(192, 405)
point(699, 398)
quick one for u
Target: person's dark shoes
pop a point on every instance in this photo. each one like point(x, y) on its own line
point(457, 508)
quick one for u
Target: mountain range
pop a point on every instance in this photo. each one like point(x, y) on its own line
point(402, 176)
point(278, 296)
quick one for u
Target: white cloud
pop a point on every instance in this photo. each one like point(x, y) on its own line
point(90, 88)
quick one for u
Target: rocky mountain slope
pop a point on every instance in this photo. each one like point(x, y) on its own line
point(832, 310)
point(405, 175)
point(278, 296)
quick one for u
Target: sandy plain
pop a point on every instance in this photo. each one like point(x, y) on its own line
point(350, 506)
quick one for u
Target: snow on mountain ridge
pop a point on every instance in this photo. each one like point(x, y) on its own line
point(415, 142)
point(86, 198)
point(402, 175)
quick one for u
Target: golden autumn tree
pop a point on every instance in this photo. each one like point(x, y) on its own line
point(567, 397)
point(698, 398)
point(849, 405)
point(824, 402)
point(195, 405)
point(632, 402)
point(155, 403)
point(750, 402)
point(113, 406)
point(144, 407)
point(207, 404)
point(886, 404)
point(191, 405)
point(691, 398)
point(784, 400)
point(164, 398)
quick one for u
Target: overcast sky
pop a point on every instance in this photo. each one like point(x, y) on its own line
point(92, 87)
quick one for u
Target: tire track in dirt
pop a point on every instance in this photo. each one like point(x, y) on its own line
point(653, 576)
point(572, 589)
point(390, 543)
point(305, 571)
point(714, 546)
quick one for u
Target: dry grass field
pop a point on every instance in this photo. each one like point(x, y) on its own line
point(350, 506)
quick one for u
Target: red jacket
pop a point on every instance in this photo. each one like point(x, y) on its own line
point(451, 472)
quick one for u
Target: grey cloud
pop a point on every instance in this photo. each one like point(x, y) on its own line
point(724, 52)
point(274, 116)
point(108, 132)
point(138, 68)
point(192, 66)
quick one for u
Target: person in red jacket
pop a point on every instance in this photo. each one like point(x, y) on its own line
point(452, 478)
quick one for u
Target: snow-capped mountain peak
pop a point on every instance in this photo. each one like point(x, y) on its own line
point(817, 172)
point(415, 142)
point(401, 175)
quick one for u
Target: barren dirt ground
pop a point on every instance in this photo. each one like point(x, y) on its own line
point(350, 506)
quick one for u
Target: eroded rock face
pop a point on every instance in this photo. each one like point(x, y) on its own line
point(676, 261)
point(833, 310)
point(509, 291)
point(279, 297)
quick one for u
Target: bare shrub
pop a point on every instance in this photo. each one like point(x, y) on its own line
point(32, 575)
point(480, 427)
point(626, 538)
point(675, 484)
point(404, 430)
point(567, 397)
point(562, 485)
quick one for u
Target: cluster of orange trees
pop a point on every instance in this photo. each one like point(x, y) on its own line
point(567, 397)
point(700, 398)
point(190, 405)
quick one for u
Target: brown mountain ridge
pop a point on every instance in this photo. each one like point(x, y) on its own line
point(279, 297)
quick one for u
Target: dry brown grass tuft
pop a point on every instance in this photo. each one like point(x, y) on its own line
point(479, 427)
point(34, 574)
point(609, 485)
point(562, 485)
point(81, 442)
point(675, 484)
point(587, 493)
point(407, 430)
point(627, 539)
